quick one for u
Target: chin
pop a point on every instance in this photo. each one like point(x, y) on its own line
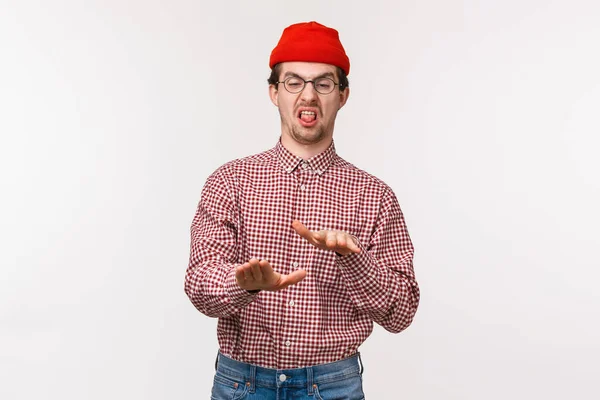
point(308, 136)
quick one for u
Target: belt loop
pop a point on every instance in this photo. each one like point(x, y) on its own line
point(362, 368)
point(252, 387)
point(309, 380)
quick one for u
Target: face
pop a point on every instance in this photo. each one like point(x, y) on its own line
point(307, 117)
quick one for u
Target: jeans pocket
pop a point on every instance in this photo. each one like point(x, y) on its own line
point(225, 388)
point(345, 389)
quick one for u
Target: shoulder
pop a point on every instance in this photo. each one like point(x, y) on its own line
point(232, 169)
point(359, 176)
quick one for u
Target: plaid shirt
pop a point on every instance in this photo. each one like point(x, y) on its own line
point(246, 211)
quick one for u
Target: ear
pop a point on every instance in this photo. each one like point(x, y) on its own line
point(274, 94)
point(344, 94)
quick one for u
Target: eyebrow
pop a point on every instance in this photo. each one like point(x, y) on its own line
point(325, 75)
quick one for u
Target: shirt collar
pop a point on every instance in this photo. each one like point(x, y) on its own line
point(319, 163)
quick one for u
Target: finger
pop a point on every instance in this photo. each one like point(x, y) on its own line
point(266, 270)
point(346, 243)
point(291, 279)
point(252, 264)
point(265, 267)
point(248, 273)
point(240, 269)
point(302, 230)
point(239, 274)
point(265, 264)
point(271, 278)
point(331, 240)
point(256, 272)
point(319, 237)
point(342, 243)
point(352, 246)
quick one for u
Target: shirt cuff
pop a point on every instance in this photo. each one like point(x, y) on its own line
point(237, 296)
point(356, 266)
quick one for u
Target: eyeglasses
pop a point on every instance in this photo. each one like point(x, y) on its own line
point(295, 84)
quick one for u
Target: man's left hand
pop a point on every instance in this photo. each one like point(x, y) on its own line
point(340, 242)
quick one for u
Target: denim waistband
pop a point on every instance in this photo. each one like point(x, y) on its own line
point(254, 375)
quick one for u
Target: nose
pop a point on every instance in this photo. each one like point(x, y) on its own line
point(309, 92)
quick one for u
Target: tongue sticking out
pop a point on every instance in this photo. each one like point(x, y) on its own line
point(307, 117)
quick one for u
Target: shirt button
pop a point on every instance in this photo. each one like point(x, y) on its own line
point(304, 166)
point(288, 343)
point(291, 303)
point(302, 187)
point(289, 170)
point(295, 264)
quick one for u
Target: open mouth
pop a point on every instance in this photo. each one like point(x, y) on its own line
point(307, 117)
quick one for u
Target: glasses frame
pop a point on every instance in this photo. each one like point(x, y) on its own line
point(305, 82)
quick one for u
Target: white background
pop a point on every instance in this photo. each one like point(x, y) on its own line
point(483, 116)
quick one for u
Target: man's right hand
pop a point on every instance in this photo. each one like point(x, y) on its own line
point(259, 275)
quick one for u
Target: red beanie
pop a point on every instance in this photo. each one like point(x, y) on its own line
point(310, 42)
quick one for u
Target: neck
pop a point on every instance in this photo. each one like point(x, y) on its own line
point(305, 151)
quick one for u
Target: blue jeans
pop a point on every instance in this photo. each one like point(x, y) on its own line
point(340, 380)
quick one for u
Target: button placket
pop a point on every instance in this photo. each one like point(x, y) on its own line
point(305, 174)
point(303, 178)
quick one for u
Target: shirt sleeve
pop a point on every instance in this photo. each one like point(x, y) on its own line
point(381, 279)
point(210, 278)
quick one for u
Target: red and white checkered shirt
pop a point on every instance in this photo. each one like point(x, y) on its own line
point(246, 211)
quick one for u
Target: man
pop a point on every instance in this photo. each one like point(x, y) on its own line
point(295, 250)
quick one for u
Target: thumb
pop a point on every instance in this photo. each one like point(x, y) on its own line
point(301, 229)
point(291, 279)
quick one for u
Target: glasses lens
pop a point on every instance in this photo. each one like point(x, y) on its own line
point(294, 85)
point(324, 85)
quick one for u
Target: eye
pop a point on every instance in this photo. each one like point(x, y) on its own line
point(294, 83)
point(325, 84)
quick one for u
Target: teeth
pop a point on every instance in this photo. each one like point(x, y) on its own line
point(307, 112)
